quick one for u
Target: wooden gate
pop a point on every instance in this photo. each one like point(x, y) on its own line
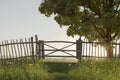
point(45, 49)
point(37, 49)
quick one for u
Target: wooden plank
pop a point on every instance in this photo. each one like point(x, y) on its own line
point(59, 56)
point(15, 43)
point(95, 51)
point(32, 47)
point(40, 49)
point(26, 45)
point(43, 57)
point(21, 50)
point(89, 48)
point(60, 50)
point(3, 50)
point(37, 46)
point(6, 50)
point(92, 49)
point(98, 50)
point(9, 49)
point(59, 42)
point(14, 48)
point(24, 48)
point(1, 56)
point(101, 50)
point(12, 52)
point(18, 48)
point(83, 46)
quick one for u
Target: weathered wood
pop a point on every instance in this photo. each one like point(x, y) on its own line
point(37, 46)
point(15, 50)
point(6, 50)
point(39, 49)
point(32, 46)
point(95, 50)
point(78, 48)
point(9, 50)
point(24, 52)
point(92, 49)
point(60, 56)
point(18, 48)
point(12, 52)
point(21, 50)
point(101, 51)
point(42, 45)
point(59, 42)
point(1, 52)
point(98, 51)
point(89, 49)
point(60, 50)
point(16, 43)
point(27, 52)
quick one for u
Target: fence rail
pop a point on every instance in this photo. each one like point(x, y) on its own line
point(33, 48)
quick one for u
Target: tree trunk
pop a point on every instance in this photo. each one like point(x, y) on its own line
point(109, 50)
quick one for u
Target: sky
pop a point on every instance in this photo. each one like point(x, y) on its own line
point(21, 19)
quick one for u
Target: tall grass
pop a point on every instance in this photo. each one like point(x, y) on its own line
point(24, 70)
point(39, 70)
point(96, 70)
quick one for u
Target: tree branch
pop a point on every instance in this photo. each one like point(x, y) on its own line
point(103, 31)
point(98, 31)
point(116, 10)
point(96, 12)
point(94, 9)
point(114, 35)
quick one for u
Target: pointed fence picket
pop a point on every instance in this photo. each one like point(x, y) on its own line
point(18, 49)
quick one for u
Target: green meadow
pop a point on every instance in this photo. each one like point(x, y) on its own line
point(108, 69)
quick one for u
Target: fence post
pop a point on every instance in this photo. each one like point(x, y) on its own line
point(32, 46)
point(78, 49)
point(42, 46)
point(37, 46)
point(40, 49)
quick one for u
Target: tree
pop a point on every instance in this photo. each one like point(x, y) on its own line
point(93, 19)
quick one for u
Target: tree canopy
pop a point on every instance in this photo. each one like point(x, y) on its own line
point(93, 19)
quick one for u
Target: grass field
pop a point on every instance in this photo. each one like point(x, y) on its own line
point(96, 70)
point(60, 70)
point(23, 70)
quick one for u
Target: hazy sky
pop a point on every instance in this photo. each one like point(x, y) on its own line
point(21, 19)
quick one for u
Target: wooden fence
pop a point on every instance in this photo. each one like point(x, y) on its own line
point(17, 49)
point(98, 49)
point(33, 48)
